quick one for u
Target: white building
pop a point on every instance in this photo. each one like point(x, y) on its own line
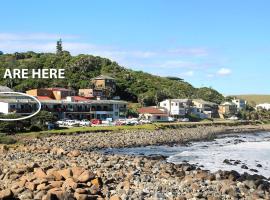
point(72, 108)
point(265, 106)
point(176, 107)
point(240, 103)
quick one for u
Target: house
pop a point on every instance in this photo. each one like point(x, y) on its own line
point(103, 87)
point(240, 103)
point(153, 114)
point(263, 106)
point(228, 109)
point(176, 107)
point(53, 93)
point(23, 107)
point(82, 108)
point(209, 109)
point(90, 93)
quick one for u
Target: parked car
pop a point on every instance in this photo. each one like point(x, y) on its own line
point(184, 120)
point(171, 119)
point(96, 121)
point(85, 122)
point(145, 121)
point(72, 123)
point(61, 122)
point(233, 118)
point(121, 122)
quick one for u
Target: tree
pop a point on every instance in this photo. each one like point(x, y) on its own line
point(59, 47)
point(1, 53)
point(41, 119)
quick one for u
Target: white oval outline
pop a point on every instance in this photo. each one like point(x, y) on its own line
point(22, 118)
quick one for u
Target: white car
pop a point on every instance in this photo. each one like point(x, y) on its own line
point(171, 119)
point(72, 123)
point(184, 120)
point(145, 121)
point(85, 122)
point(61, 122)
point(233, 118)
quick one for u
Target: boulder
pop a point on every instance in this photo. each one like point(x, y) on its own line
point(86, 176)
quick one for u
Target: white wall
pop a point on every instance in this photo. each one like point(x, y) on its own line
point(4, 107)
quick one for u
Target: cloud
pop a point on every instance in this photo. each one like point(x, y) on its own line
point(171, 61)
point(224, 72)
point(190, 51)
point(188, 73)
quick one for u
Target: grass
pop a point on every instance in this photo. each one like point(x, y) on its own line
point(151, 127)
point(255, 98)
point(5, 139)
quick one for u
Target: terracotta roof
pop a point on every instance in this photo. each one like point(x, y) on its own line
point(79, 98)
point(59, 89)
point(151, 110)
point(44, 98)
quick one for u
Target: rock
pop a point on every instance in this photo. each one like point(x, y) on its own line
point(115, 197)
point(39, 173)
point(244, 167)
point(66, 173)
point(96, 182)
point(226, 161)
point(30, 185)
point(6, 194)
point(71, 183)
point(86, 176)
point(259, 165)
point(74, 153)
point(56, 184)
point(77, 171)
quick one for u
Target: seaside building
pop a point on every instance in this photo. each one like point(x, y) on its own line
point(241, 104)
point(204, 109)
point(103, 87)
point(263, 106)
point(153, 114)
point(52, 93)
point(81, 108)
point(21, 106)
point(176, 108)
point(227, 109)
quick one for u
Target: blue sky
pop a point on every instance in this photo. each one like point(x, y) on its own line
point(222, 44)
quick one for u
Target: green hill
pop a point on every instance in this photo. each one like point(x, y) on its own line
point(255, 98)
point(135, 86)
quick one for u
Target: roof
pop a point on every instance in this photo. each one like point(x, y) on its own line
point(44, 98)
point(58, 89)
point(228, 104)
point(201, 101)
point(5, 89)
point(103, 77)
point(178, 100)
point(151, 110)
point(79, 98)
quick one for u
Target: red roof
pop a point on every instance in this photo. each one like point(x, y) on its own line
point(79, 98)
point(58, 89)
point(44, 98)
point(151, 110)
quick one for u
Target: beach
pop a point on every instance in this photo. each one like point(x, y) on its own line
point(74, 167)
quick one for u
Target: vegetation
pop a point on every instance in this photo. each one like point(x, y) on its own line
point(255, 99)
point(36, 123)
point(135, 86)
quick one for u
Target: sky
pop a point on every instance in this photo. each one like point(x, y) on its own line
point(220, 44)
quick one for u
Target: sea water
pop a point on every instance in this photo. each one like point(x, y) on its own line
point(251, 151)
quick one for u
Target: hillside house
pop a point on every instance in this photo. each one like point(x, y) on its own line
point(228, 109)
point(176, 108)
point(153, 114)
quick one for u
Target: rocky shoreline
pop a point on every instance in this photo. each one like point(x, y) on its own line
point(68, 167)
